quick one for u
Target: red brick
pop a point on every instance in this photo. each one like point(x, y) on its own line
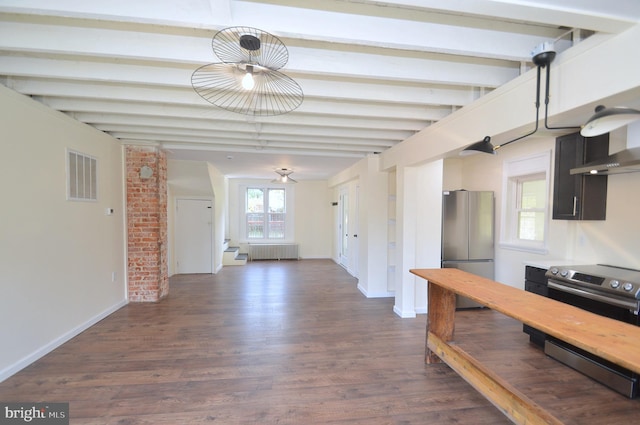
point(147, 225)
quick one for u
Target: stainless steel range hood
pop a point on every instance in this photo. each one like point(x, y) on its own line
point(625, 161)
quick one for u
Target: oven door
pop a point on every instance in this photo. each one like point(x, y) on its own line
point(624, 310)
point(619, 379)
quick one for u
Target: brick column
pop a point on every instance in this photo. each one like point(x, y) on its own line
point(147, 225)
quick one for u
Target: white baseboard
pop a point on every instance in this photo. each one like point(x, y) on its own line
point(367, 294)
point(421, 310)
point(46, 349)
point(404, 314)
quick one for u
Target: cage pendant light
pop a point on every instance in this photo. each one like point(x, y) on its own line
point(247, 81)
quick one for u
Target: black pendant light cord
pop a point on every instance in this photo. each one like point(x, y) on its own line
point(543, 58)
point(546, 105)
point(537, 113)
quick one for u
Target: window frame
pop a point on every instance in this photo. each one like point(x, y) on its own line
point(516, 172)
point(288, 214)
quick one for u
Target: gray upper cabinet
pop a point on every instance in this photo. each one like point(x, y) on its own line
point(579, 197)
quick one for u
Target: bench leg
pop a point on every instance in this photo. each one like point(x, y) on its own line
point(441, 318)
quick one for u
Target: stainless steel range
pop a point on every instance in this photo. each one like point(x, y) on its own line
point(606, 290)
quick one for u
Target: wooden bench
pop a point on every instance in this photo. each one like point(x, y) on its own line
point(615, 341)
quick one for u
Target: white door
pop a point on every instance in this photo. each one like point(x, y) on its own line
point(193, 234)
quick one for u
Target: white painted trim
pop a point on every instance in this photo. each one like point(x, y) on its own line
point(404, 315)
point(524, 248)
point(539, 163)
point(421, 310)
point(46, 349)
point(386, 294)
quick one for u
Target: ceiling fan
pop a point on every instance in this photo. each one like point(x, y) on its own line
point(247, 81)
point(284, 174)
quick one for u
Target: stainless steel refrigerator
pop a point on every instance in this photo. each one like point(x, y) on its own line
point(467, 235)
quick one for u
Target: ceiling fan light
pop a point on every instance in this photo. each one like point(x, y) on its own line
point(283, 174)
point(608, 119)
point(483, 146)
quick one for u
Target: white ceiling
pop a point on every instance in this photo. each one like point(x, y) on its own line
point(373, 72)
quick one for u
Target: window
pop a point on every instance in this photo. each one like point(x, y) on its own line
point(530, 207)
point(265, 213)
point(82, 177)
point(526, 203)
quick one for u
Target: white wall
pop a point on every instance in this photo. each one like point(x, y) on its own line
point(57, 257)
point(373, 249)
point(418, 218)
point(428, 226)
point(614, 241)
point(312, 216)
point(368, 189)
point(220, 185)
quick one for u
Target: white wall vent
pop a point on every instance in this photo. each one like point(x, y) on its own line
point(82, 177)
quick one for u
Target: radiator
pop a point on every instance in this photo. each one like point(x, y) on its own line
point(273, 252)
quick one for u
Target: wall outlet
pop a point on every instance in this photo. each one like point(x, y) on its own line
point(114, 276)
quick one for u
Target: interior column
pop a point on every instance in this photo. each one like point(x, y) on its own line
point(147, 260)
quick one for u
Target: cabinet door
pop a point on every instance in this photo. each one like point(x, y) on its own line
point(579, 197)
point(567, 188)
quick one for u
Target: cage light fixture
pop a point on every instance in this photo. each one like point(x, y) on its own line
point(247, 80)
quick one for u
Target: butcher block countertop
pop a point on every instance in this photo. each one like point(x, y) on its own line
point(610, 339)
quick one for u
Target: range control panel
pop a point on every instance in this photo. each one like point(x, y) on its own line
point(621, 281)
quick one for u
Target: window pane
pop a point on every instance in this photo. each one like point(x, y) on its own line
point(255, 225)
point(255, 200)
point(276, 200)
point(533, 194)
point(531, 226)
point(276, 225)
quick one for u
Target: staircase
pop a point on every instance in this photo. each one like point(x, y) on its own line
point(232, 256)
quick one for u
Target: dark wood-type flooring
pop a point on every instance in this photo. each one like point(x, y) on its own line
point(293, 342)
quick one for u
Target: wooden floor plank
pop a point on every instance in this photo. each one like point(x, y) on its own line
point(293, 342)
